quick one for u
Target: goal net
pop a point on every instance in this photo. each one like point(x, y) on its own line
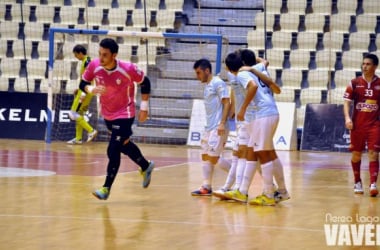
point(167, 58)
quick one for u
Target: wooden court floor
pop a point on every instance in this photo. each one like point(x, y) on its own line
point(46, 203)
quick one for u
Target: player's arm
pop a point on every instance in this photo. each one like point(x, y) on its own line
point(145, 93)
point(264, 78)
point(346, 111)
point(88, 88)
point(263, 61)
point(250, 94)
point(232, 106)
point(226, 110)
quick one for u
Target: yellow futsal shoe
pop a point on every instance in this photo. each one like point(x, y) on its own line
point(263, 200)
point(236, 195)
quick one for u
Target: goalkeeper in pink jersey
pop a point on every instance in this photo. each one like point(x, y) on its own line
point(115, 84)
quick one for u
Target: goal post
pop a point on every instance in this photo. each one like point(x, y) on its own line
point(57, 36)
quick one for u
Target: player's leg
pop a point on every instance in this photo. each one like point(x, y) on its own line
point(86, 100)
point(357, 145)
point(130, 149)
point(113, 154)
point(373, 158)
point(263, 141)
point(209, 142)
point(74, 115)
point(247, 164)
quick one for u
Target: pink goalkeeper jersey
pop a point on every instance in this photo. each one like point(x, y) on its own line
point(118, 101)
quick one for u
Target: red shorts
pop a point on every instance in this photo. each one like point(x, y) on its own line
point(360, 138)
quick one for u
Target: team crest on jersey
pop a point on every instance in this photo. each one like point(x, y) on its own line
point(118, 81)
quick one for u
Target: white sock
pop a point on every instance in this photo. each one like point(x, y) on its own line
point(249, 172)
point(267, 172)
point(239, 172)
point(231, 174)
point(208, 170)
point(223, 164)
point(278, 172)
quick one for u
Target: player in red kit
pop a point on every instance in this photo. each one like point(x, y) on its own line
point(363, 93)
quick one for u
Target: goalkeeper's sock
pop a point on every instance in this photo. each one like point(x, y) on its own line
point(84, 124)
point(78, 132)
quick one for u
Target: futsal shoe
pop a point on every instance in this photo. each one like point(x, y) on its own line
point(102, 193)
point(236, 195)
point(220, 193)
point(91, 136)
point(74, 142)
point(147, 174)
point(202, 191)
point(281, 196)
point(358, 188)
point(263, 200)
point(373, 192)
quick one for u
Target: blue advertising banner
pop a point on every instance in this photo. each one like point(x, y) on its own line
point(23, 115)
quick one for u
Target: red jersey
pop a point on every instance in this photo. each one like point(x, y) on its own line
point(366, 98)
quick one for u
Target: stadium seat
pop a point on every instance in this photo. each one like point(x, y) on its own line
point(318, 79)
point(366, 23)
point(10, 67)
point(299, 59)
point(34, 31)
point(371, 7)
point(325, 59)
point(333, 40)
point(307, 40)
point(343, 78)
point(255, 39)
point(260, 20)
point(289, 21)
point(321, 7)
point(310, 95)
point(127, 4)
point(281, 40)
point(117, 17)
point(297, 6)
point(273, 7)
point(352, 60)
point(347, 7)
point(3, 83)
point(291, 78)
point(314, 22)
point(94, 16)
point(275, 57)
point(36, 68)
point(165, 19)
point(9, 30)
point(359, 41)
point(45, 13)
point(340, 22)
point(286, 95)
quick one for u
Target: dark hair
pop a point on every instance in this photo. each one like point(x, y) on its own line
point(373, 57)
point(203, 64)
point(80, 49)
point(110, 44)
point(233, 61)
point(248, 57)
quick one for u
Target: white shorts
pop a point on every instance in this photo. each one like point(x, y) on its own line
point(262, 131)
point(212, 144)
point(242, 135)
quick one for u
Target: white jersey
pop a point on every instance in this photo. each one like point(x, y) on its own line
point(214, 92)
point(263, 102)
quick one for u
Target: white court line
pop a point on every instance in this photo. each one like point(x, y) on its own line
point(159, 222)
point(23, 172)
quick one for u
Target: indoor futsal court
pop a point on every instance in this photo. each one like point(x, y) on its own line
point(47, 202)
